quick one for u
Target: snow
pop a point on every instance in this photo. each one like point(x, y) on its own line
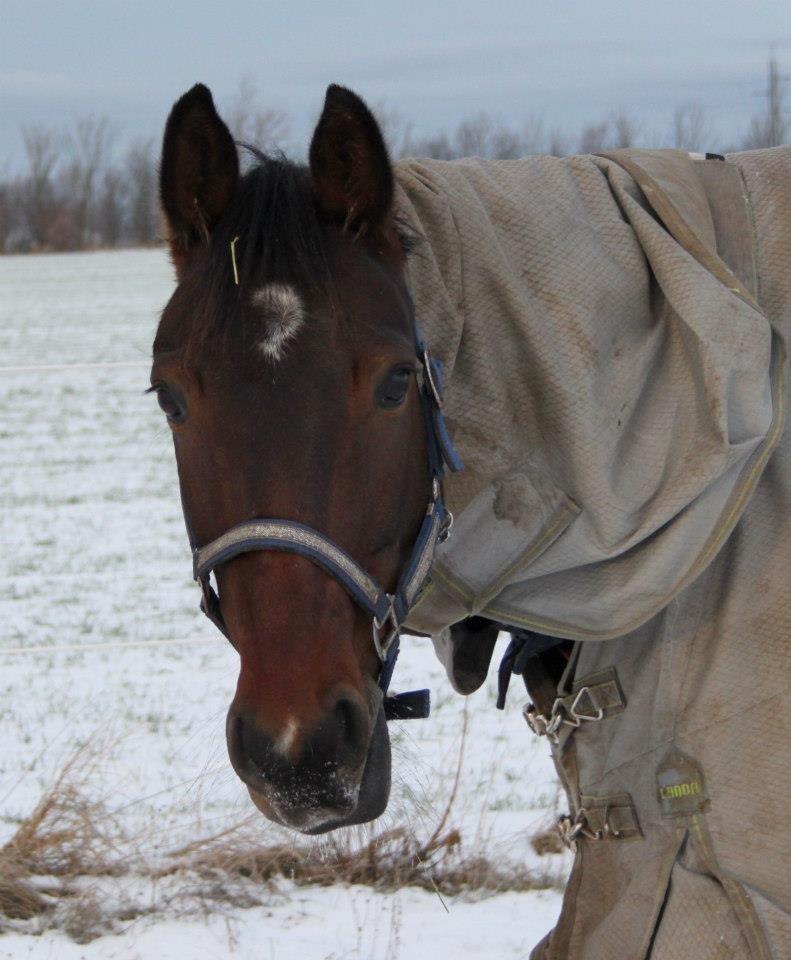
point(95, 558)
point(335, 923)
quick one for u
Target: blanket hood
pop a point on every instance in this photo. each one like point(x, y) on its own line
point(611, 384)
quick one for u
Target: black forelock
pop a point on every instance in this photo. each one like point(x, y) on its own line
point(281, 234)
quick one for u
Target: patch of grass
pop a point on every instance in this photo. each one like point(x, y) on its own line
point(391, 860)
point(69, 848)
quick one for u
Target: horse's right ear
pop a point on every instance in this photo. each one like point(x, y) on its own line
point(199, 171)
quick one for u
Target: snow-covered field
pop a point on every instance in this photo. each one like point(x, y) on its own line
point(95, 573)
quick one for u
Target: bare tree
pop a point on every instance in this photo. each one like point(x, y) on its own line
point(594, 137)
point(473, 136)
point(141, 176)
point(625, 131)
point(691, 130)
point(758, 135)
point(7, 214)
point(776, 122)
point(771, 128)
point(506, 144)
point(91, 141)
point(110, 209)
point(250, 123)
point(42, 151)
point(533, 138)
point(557, 143)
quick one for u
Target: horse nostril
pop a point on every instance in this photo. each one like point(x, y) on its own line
point(233, 737)
point(249, 748)
point(354, 731)
point(341, 738)
point(352, 725)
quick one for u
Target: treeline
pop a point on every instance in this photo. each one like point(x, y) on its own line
point(73, 197)
point(78, 192)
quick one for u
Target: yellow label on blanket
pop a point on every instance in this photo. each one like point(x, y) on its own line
point(680, 785)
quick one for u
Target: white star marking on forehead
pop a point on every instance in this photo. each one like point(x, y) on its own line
point(283, 315)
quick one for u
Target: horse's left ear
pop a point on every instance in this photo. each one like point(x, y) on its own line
point(199, 171)
point(349, 165)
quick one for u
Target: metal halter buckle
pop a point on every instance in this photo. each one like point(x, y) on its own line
point(382, 646)
point(447, 526)
point(430, 377)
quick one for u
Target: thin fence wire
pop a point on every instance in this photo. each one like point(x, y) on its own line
point(98, 365)
point(114, 644)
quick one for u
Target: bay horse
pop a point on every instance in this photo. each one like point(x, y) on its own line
point(614, 332)
point(289, 369)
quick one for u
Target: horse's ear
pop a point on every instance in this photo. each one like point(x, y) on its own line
point(349, 165)
point(199, 170)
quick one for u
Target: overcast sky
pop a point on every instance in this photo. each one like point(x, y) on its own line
point(566, 61)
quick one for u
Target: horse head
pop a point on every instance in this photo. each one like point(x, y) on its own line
point(285, 364)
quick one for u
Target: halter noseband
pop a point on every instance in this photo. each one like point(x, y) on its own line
point(388, 611)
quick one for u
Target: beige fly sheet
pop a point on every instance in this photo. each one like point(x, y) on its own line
point(613, 331)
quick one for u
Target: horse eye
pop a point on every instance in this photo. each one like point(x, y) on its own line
point(392, 390)
point(168, 404)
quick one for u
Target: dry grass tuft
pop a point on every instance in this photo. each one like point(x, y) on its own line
point(547, 842)
point(18, 900)
point(65, 836)
point(391, 860)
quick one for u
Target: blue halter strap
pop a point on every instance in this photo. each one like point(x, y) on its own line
point(388, 611)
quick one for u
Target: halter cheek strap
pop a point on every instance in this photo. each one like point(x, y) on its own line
point(388, 611)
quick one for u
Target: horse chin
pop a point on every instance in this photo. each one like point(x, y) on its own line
point(370, 801)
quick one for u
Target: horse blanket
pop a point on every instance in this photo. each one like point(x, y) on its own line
point(613, 330)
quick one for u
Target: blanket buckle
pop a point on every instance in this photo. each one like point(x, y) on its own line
point(572, 828)
point(614, 821)
point(541, 725)
point(597, 698)
point(577, 715)
point(612, 817)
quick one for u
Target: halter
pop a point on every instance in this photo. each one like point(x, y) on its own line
point(388, 611)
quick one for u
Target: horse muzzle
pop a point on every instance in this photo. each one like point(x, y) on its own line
point(338, 776)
